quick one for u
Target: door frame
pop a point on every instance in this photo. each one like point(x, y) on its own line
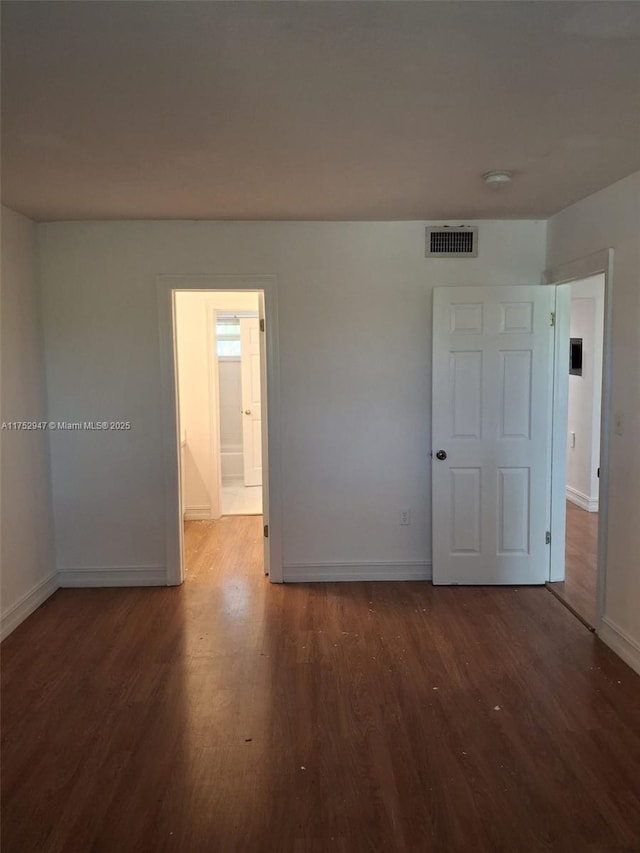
point(215, 477)
point(214, 397)
point(166, 287)
point(596, 264)
point(246, 386)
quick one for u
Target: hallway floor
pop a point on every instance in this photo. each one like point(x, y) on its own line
point(579, 588)
point(230, 715)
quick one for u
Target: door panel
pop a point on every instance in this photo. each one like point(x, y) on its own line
point(513, 510)
point(492, 373)
point(515, 386)
point(251, 400)
point(465, 507)
point(466, 397)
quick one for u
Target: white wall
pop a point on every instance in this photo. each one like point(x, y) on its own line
point(28, 576)
point(585, 392)
point(611, 218)
point(355, 370)
point(194, 363)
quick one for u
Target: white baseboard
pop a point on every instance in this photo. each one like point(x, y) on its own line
point(621, 643)
point(102, 576)
point(582, 500)
point(198, 513)
point(356, 571)
point(24, 606)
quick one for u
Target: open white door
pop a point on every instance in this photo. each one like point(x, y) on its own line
point(251, 397)
point(265, 429)
point(491, 434)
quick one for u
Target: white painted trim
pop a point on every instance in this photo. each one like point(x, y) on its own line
point(198, 513)
point(587, 267)
point(172, 457)
point(26, 604)
point(268, 353)
point(594, 485)
point(357, 571)
point(215, 476)
point(580, 499)
point(103, 576)
point(166, 287)
point(599, 262)
point(620, 642)
point(559, 420)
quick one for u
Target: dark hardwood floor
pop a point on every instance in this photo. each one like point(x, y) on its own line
point(579, 588)
point(232, 715)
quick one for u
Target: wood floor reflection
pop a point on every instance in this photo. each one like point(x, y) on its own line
point(579, 588)
point(232, 715)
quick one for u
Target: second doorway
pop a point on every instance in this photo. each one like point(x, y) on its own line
point(238, 351)
point(220, 379)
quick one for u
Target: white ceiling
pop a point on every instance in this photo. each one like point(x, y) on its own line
point(315, 110)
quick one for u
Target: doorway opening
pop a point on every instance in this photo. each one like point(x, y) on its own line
point(237, 345)
point(219, 378)
point(598, 270)
point(581, 385)
point(219, 384)
point(209, 295)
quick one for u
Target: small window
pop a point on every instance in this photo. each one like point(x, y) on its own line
point(228, 338)
point(228, 329)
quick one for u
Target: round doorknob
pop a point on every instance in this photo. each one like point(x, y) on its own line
point(247, 411)
point(441, 455)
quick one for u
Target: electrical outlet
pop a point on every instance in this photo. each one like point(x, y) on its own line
point(405, 516)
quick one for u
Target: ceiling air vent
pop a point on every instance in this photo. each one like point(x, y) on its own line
point(448, 242)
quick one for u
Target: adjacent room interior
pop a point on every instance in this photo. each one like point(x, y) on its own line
point(580, 590)
point(219, 393)
point(219, 423)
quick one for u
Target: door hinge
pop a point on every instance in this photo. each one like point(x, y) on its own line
point(262, 325)
point(266, 531)
point(547, 537)
point(552, 318)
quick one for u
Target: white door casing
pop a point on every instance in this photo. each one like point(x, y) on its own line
point(559, 279)
point(265, 429)
point(492, 393)
point(266, 286)
point(251, 400)
point(559, 432)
